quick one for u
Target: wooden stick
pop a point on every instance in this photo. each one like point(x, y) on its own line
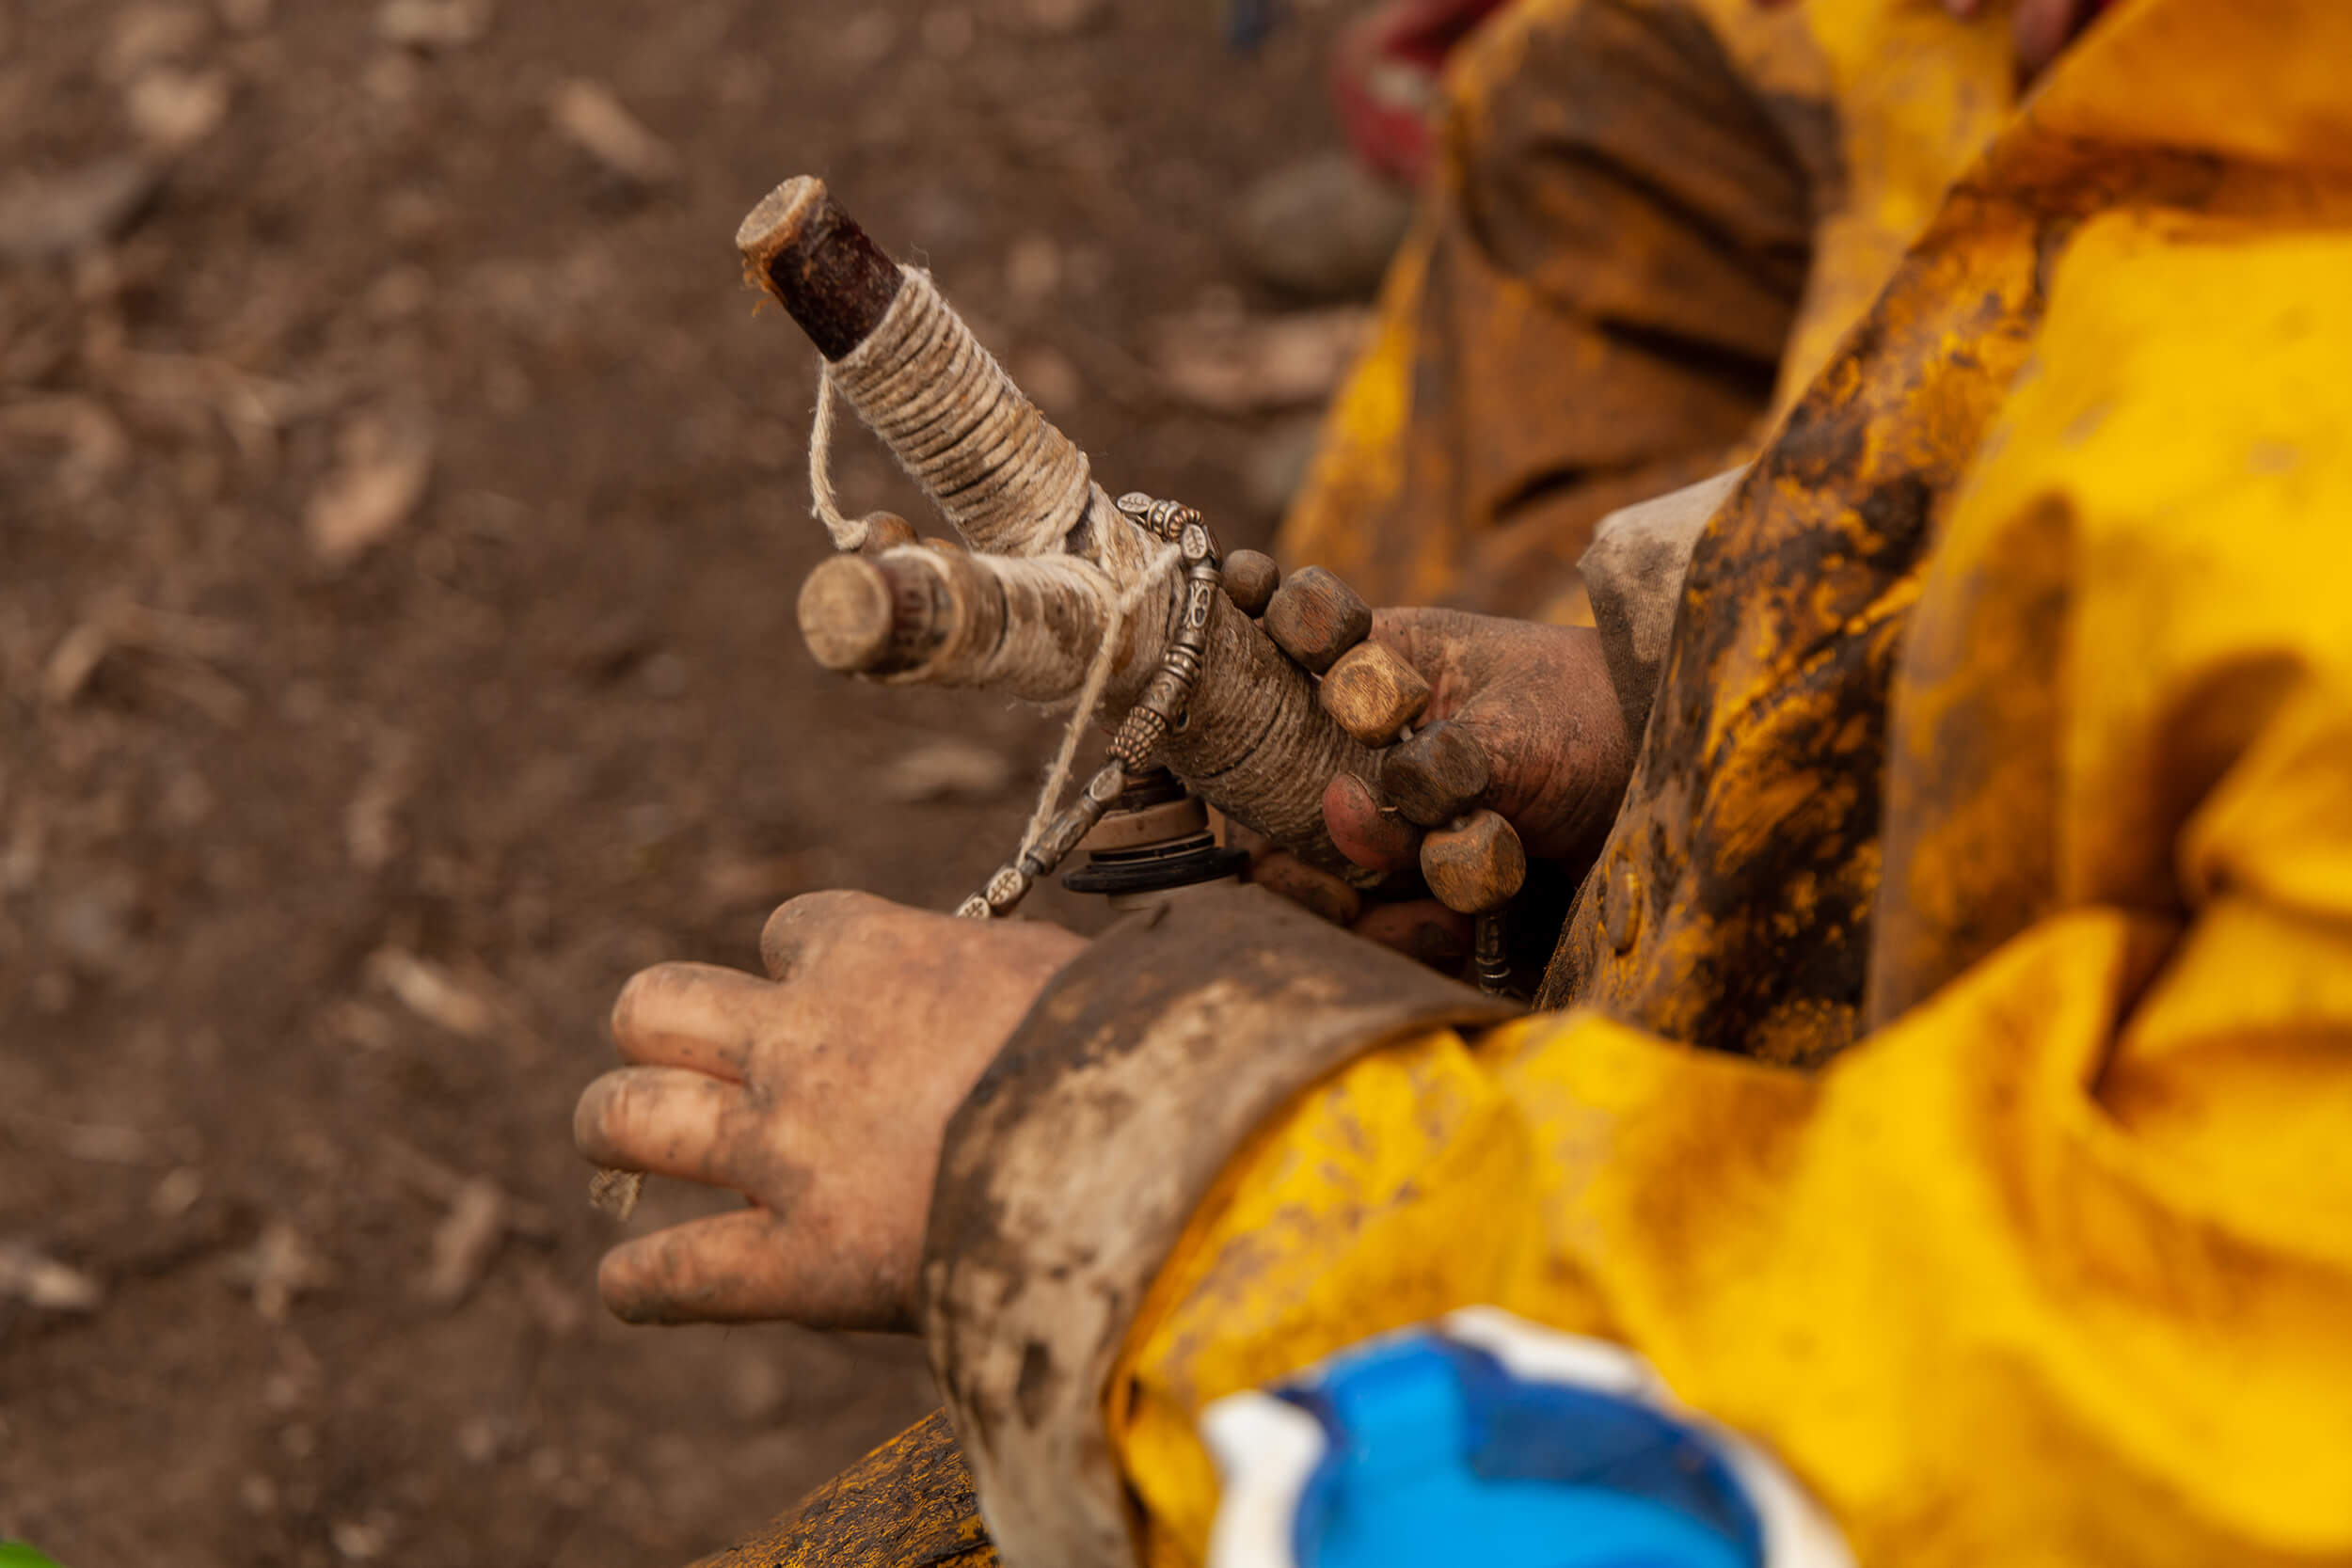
point(821, 267)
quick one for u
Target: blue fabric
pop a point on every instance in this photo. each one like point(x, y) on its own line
point(1438, 1454)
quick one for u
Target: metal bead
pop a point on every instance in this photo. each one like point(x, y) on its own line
point(1103, 789)
point(1159, 709)
point(1139, 736)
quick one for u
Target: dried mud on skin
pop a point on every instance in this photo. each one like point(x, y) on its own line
point(401, 508)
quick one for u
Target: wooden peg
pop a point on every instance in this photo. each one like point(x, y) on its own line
point(886, 531)
point(1374, 693)
point(1474, 865)
point(1437, 776)
point(1250, 579)
point(846, 612)
point(1315, 618)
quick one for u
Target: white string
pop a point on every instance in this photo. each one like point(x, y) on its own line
point(1116, 611)
point(849, 534)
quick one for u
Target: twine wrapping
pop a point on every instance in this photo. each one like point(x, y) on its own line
point(1010, 482)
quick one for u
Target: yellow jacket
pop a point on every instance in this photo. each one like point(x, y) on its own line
point(1952, 1086)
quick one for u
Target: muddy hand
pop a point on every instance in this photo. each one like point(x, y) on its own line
point(1513, 719)
point(821, 1094)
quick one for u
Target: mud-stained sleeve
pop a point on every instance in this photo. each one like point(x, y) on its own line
point(1634, 575)
point(1075, 1166)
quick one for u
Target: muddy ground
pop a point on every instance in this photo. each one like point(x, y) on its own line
point(400, 520)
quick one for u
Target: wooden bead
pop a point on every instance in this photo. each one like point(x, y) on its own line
point(1250, 579)
point(886, 531)
point(1475, 866)
point(1436, 775)
point(1315, 617)
point(1374, 693)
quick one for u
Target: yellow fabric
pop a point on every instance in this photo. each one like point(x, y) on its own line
point(2054, 1265)
point(1650, 223)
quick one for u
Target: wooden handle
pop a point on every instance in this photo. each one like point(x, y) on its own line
point(1256, 744)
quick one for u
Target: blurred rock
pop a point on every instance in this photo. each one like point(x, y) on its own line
point(372, 819)
point(432, 24)
point(432, 993)
point(596, 121)
point(1254, 365)
point(57, 217)
point(40, 1281)
point(76, 658)
point(176, 1192)
point(1323, 227)
point(175, 109)
point(465, 1243)
point(277, 1268)
point(946, 769)
point(386, 462)
point(361, 1539)
point(246, 16)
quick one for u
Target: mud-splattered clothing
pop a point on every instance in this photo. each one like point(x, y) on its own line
point(1650, 221)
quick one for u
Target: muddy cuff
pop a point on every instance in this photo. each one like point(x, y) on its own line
point(1075, 1166)
point(1634, 575)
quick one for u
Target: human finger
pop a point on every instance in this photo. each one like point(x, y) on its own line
point(1556, 749)
point(800, 928)
point(1240, 835)
point(747, 1266)
point(1369, 833)
point(1313, 889)
point(690, 1015)
point(673, 1121)
point(1420, 929)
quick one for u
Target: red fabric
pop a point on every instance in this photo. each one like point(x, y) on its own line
point(1385, 77)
